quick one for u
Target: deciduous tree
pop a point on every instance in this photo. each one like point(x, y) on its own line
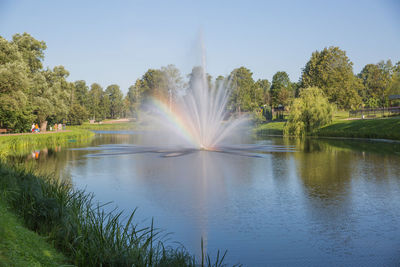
point(332, 71)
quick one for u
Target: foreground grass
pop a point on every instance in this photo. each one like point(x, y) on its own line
point(83, 231)
point(22, 247)
point(23, 144)
point(385, 128)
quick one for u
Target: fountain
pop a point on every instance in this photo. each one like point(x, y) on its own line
point(198, 119)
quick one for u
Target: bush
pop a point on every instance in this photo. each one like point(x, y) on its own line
point(309, 112)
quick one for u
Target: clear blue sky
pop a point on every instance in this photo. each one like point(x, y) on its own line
point(117, 41)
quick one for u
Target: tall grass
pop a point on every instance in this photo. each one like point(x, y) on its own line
point(23, 144)
point(83, 230)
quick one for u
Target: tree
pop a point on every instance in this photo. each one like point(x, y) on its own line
point(308, 112)
point(198, 79)
point(9, 52)
point(332, 71)
point(220, 81)
point(105, 104)
point(134, 97)
point(116, 100)
point(52, 95)
point(242, 86)
point(81, 93)
point(31, 50)
point(77, 115)
point(394, 87)
point(281, 89)
point(376, 79)
point(94, 102)
point(15, 112)
point(154, 84)
point(265, 86)
point(174, 81)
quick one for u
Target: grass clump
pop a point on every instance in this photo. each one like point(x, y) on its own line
point(23, 144)
point(82, 230)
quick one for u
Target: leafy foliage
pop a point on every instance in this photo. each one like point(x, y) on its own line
point(308, 112)
point(281, 89)
point(332, 71)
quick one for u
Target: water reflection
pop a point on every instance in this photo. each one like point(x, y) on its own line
point(278, 201)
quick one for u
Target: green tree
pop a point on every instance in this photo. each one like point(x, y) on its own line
point(105, 104)
point(154, 84)
point(9, 52)
point(242, 87)
point(31, 50)
point(116, 100)
point(376, 80)
point(309, 112)
point(94, 102)
point(265, 86)
point(53, 99)
point(15, 112)
point(332, 71)
point(134, 98)
point(77, 114)
point(281, 89)
point(220, 81)
point(81, 93)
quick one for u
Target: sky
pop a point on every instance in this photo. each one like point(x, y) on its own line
point(116, 42)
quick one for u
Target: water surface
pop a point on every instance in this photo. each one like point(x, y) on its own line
point(318, 202)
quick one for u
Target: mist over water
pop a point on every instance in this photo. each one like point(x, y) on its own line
point(197, 118)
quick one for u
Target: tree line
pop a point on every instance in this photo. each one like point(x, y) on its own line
point(31, 93)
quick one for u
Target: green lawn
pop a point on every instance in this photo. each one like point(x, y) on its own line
point(22, 247)
point(271, 128)
point(106, 126)
point(385, 128)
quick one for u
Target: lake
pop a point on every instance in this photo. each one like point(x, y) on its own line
point(276, 202)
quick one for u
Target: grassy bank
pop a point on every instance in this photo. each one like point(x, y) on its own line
point(22, 247)
point(385, 128)
point(23, 144)
point(271, 128)
point(82, 231)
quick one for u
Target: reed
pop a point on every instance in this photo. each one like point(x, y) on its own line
point(23, 144)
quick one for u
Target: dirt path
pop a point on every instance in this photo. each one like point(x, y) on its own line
point(47, 132)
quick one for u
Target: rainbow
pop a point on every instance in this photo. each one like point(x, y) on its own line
point(175, 119)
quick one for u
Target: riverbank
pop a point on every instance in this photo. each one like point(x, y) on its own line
point(19, 144)
point(79, 227)
point(383, 128)
point(21, 247)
